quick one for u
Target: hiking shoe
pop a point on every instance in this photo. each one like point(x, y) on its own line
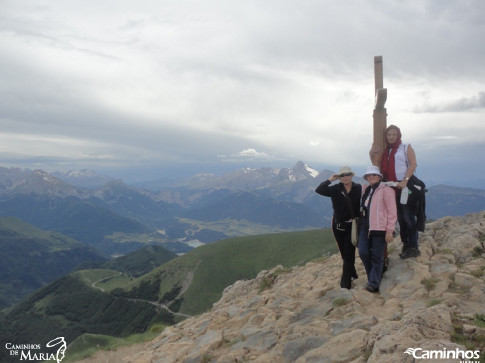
point(354, 276)
point(403, 251)
point(372, 289)
point(411, 252)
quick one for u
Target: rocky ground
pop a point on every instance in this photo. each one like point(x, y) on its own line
point(435, 302)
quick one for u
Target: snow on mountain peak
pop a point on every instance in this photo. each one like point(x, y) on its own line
point(314, 173)
point(303, 168)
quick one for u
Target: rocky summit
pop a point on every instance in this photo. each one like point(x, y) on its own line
point(432, 306)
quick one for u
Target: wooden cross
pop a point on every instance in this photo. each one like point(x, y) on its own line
point(380, 112)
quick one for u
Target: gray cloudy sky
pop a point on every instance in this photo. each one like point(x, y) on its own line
point(163, 86)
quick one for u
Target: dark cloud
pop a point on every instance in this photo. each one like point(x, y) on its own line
point(461, 105)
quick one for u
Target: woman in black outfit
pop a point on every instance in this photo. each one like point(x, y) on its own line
point(342, 217)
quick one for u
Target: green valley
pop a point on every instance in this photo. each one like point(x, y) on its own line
point(110, 300)
point(31, 258)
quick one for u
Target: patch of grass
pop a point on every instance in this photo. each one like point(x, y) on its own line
point(90, 276)
point(283, 270)
point(265, 283)
point(478, 273)
point(340, 302)
point(477, 251)
point(321, 259)
point(457, 289)
point(434, 302)
point(234, 228)
point(206, 358)
point(480, 320)
point(156, 328)
point(367, 354)
point(446, 251)
point(429, 283)
point(120, 237)
point(88, 344)
point(268, 280)
point(113, 282)
point(471, 342)
point(230, 343)
point(458, 337)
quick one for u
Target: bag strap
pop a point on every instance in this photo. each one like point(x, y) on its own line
point(349, 203)
point(367, 191)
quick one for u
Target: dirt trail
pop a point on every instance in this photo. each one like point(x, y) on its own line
point(157, 304)
point(104, 278)
point(162, 306)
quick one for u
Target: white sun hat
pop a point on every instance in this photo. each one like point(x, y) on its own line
point(372, 170)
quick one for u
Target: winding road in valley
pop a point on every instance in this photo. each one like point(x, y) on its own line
point(157, 304)
point(163, 306)
point(104, 278)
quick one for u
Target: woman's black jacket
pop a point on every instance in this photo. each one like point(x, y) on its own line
point(336, 192)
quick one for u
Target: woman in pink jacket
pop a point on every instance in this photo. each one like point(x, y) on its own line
point(379, 216)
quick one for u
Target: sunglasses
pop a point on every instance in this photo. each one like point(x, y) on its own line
point(346, 174)
point(372, 175)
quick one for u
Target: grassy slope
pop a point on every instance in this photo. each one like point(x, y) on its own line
point(216, 266)
point(30, 258)
point(70, 307)
point(87, 344)
point(219, 264)
point(230, 260)
point(14, 227)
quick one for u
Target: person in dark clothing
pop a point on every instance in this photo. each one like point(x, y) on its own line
point(342, 217)
point(398, 165)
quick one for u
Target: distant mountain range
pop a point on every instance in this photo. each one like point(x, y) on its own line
point(84, 178)
point(116, 218)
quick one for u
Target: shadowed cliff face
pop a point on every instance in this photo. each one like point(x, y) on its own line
point(435, 302)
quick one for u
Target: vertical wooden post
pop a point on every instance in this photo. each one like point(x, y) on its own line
point(380, 112)
point(378, 73)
